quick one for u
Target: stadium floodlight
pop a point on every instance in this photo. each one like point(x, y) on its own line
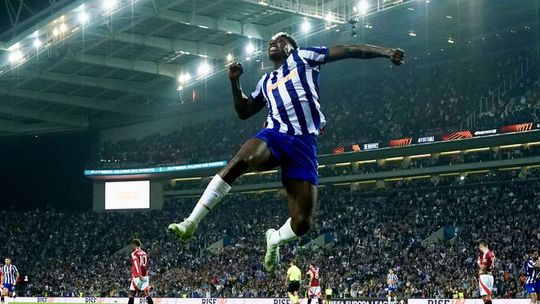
point(204, 68)
point(15, 56)
point(451, 41)
point(63, 28)
point(306, 26)
point(229, 57)
point(83, 17)
point(328, 17)
point(412, 33)
point(37, 43)
point(184, 77)
point(56, 32)
point(109, 5)
point(363, 7)
point(250, 48)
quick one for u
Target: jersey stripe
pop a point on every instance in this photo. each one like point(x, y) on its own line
point(275, 99)
point(9, 274)
point(272, 122)
point(303, 80)
point(531, 272)
point(298, 110)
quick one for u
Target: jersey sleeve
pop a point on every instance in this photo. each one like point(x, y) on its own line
point(15, 270)
point(314, 55)
point(257, 96)
point(136, 266)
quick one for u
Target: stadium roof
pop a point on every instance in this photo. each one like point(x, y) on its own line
point(71, 65)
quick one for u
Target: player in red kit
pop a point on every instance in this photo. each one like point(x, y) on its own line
point(314, 283)
point(139, 273)
point(486, 262)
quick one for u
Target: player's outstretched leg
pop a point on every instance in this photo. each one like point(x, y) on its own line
point(302, 197)
point(254, 154)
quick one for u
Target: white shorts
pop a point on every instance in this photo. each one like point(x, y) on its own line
point(315, 292)
point(486, 284)
point(137, 284)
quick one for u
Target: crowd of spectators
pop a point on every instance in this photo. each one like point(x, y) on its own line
point(86, 253)
point(434, 98)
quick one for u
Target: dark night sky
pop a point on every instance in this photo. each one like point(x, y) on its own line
point(45, 170)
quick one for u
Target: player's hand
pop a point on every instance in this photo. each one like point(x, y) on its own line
point(396, 56)
point(235, 70)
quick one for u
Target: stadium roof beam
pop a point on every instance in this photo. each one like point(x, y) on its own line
point(192, 47)
point(163, 69)
point(103, 83)
point(11, 126)
point(75, 101)
point(224, 25)
point(304, 9)
point(68, 120)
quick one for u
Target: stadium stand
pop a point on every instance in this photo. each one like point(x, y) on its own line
point(416, 107)
point(69, 254)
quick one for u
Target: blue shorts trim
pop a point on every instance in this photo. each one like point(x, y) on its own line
point(297, 154)
point(531, 288)
point(392, 289)
point(9, 287)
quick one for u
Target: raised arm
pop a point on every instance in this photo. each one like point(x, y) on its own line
point(364, 51)
point(245, 108)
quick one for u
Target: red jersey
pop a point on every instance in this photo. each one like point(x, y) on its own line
point(139, 263)
point(315, 279)
point(486, 262)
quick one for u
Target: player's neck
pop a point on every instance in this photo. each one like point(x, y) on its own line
point(484, 251)
point(279, 63)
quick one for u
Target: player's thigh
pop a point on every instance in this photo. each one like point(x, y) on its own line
point(301, 196)
point(253, 155)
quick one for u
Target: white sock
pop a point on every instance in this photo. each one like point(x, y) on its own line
point(216, 190)
point(389, 300)
point(283, 235)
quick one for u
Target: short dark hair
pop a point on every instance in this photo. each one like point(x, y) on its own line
point(292, 261)
point(533, 250)
point(136, 242)
point(483, 243)
point(288, 37)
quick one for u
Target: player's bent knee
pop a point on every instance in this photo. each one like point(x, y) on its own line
point(301, 224)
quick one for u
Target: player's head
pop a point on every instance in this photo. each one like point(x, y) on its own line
point(312, 265)
point(8, 261)
point(136, 243)
point(292, 262)
point(390, 271)
point(280, 46)
point(483, 245)
point(534, 253)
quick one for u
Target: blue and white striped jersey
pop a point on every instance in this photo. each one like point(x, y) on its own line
point(531, 272)
point(291, 93)
point(392, 280)
point(8, 274)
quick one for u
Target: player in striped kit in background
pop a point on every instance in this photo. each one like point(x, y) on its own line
point(10, 276)
point(392, 282)
point(289, 140)
point(531, 270)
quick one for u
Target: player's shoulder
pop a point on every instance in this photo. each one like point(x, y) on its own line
point(491, 254)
